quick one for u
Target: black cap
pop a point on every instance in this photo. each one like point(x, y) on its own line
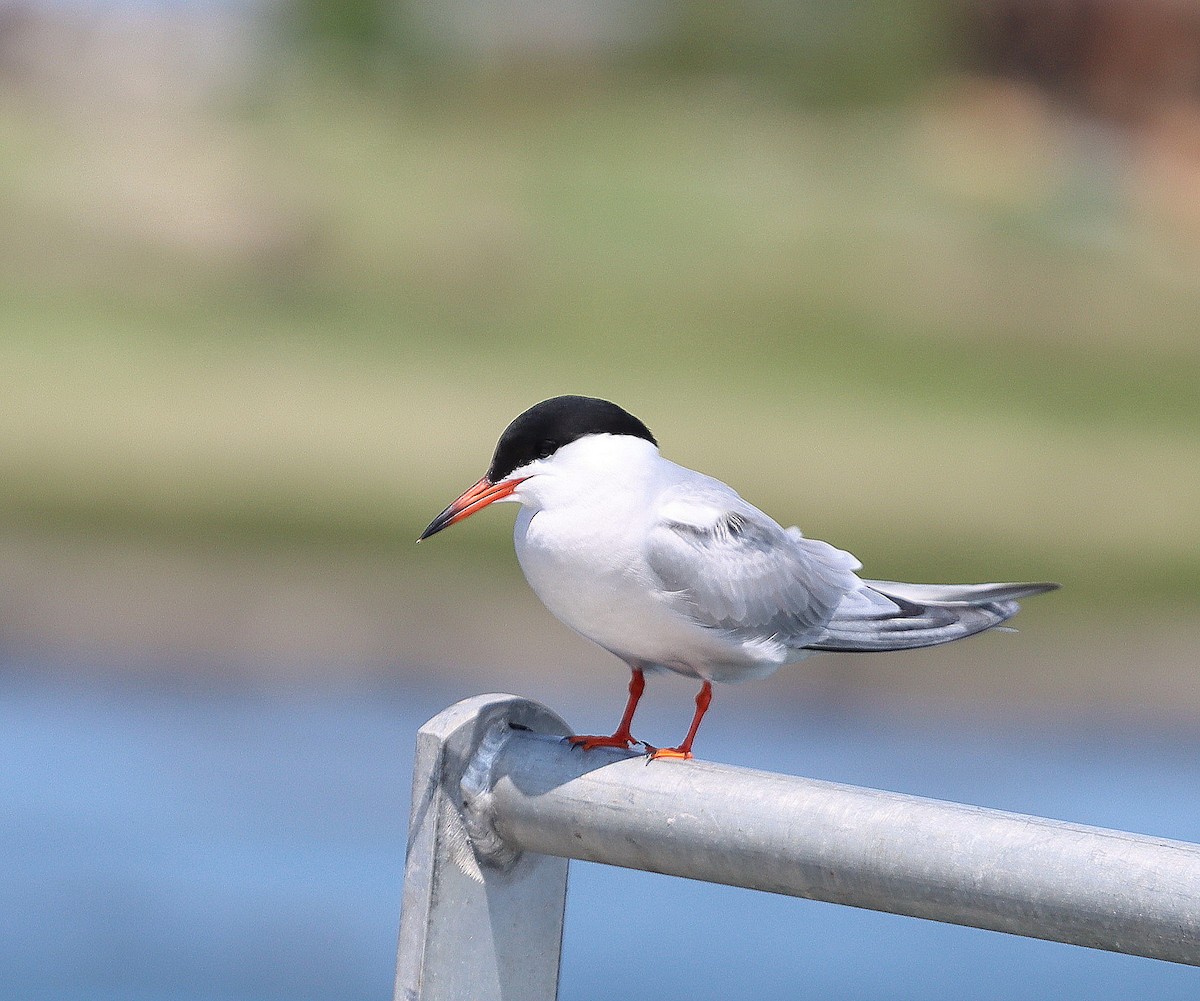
point(547, 426)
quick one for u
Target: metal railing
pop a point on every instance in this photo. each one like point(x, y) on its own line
point(501, 802)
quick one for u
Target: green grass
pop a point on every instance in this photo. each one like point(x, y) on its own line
point(308, 318)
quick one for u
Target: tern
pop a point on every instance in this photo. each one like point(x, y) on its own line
point(670, 569)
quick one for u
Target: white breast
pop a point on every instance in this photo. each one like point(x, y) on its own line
point(597, 583)
point(581, 541)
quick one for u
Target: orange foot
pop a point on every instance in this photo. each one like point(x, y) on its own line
point(618, 739)
point(667, 752)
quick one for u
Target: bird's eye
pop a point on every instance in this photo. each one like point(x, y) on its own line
point(546, 449)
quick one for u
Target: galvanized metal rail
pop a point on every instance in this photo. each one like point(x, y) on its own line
point(500, 802)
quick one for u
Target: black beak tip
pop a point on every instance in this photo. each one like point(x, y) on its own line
point(472, 500)
point(435, 526)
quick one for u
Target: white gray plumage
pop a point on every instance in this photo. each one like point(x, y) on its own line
point(670, 569)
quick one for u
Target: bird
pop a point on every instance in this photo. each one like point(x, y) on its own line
point(670, 569)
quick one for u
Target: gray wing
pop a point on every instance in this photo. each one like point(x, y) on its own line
point(727, 566)
point(892, 615)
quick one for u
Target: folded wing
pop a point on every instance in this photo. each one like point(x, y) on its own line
point(729, 567)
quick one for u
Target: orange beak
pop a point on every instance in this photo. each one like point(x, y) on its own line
point(475, 499)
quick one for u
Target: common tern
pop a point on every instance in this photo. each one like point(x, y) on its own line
point(670, 569)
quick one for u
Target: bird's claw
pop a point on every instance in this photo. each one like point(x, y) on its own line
point(624, 741)
point(654, 753)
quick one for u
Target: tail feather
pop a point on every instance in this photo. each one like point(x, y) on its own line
point(955, 594)
point(890, 615)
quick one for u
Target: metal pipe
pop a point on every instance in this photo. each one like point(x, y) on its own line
point(863, 847)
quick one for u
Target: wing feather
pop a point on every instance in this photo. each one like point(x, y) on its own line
point(729, 567)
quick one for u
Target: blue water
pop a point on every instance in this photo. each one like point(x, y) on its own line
point(242, 844)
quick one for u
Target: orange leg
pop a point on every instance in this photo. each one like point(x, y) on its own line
point(684, 750)
point(622, 737)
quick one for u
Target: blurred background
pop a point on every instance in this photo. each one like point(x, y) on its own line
point(921, 276)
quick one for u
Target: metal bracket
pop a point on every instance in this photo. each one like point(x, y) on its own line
point(479, 919)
